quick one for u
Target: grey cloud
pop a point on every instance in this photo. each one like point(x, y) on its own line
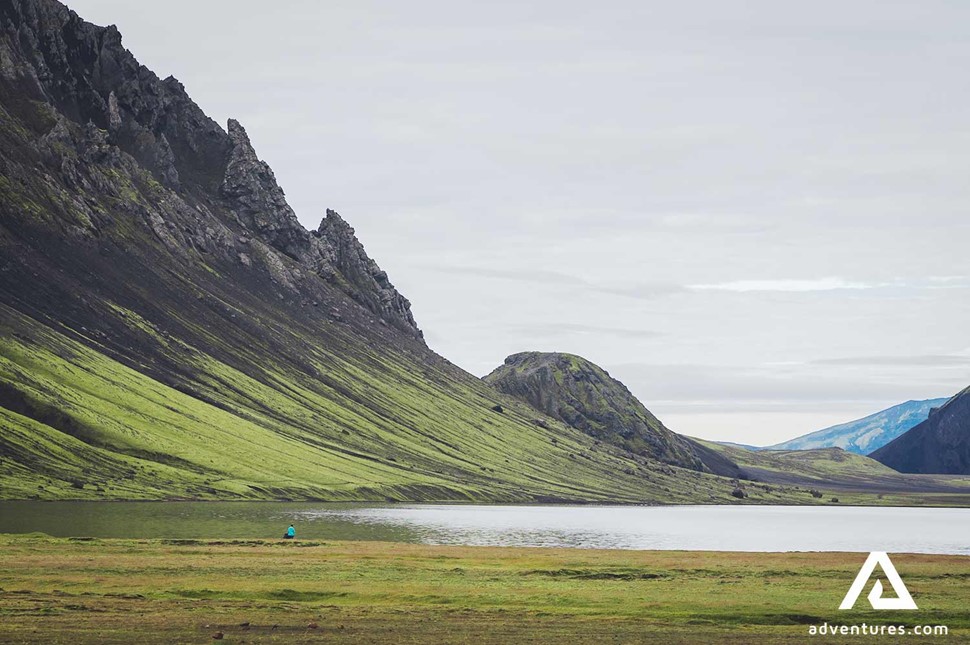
point(795, 162)
point(818, 284)
point(929, 360)
point(560, 329)
point(831, 284)
point(644, 290)
point(720, 388)
point(525, 275)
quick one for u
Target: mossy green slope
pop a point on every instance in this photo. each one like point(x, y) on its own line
point(82, 425)
point(132, 368)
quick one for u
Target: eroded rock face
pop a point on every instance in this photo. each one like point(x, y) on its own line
point(84, 71)
point(586, 397)
point(253, 194)
point(332, 251)
point(92, 104)
point(361, 276)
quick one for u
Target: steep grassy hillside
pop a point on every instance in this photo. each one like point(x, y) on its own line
point(169, 329)
point(80, 424)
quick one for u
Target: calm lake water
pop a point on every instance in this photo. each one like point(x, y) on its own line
point(730, 528)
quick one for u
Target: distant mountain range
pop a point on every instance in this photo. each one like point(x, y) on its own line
point(862, 436)
point(938, 445)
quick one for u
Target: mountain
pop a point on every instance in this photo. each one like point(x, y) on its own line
point(168, 329)
point(584, 396)
point(862, 436)
point(941, 444)
point(743, 446)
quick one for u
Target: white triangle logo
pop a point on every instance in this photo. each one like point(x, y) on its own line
point(902, 600)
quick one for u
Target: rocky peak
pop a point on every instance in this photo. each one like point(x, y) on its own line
point(250, 188)
point(332, 251)
point(56, 70)
point(51, 55)
point(360, 275)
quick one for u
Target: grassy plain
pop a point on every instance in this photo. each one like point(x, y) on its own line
point(123, 591)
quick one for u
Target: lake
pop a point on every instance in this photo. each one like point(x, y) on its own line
point(727, 528)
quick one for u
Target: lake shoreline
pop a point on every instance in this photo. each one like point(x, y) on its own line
point(740, 528)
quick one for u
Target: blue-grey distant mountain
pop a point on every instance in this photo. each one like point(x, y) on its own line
point(870, 433)
point(941, 444)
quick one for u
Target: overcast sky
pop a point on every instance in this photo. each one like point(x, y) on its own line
point(754, 214)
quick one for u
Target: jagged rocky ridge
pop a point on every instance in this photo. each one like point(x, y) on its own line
point(584, 396)
point(168, 329)
point(939, 445)
point(92, 81)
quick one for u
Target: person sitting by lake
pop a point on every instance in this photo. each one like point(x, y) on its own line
point(290, 533)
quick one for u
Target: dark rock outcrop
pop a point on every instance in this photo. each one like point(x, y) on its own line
point(205, 189)
point(586, 397)
point(359, 276)
point(250, 187)
point(941, 444)
point(52, 55)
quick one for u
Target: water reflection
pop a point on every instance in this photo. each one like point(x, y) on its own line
point(187, 520)
point(730, 528)
point(749, 528)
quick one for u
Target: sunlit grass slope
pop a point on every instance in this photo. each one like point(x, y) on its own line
point(141, 357)
point(80, 424)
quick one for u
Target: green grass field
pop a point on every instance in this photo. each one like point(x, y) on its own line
point(123, 591)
